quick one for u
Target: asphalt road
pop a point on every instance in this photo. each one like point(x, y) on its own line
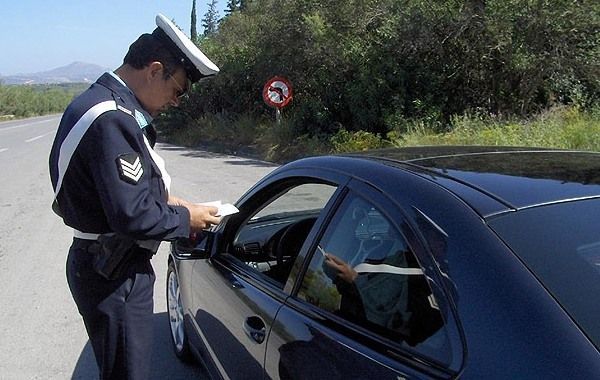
point(42, 335)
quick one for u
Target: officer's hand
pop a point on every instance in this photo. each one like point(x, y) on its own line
point(176, 201)
point(202, 217)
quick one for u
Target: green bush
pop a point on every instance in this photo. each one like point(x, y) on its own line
point(218, 131)
point(282, 142)
point(344, 141)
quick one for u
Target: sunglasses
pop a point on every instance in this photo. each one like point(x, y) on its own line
point(181, 92)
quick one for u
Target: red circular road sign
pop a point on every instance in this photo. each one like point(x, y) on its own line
point(277, 92)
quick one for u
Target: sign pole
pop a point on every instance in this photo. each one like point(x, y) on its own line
point(278, 116)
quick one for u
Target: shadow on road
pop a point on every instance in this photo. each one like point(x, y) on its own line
point(201, 153)
point(165, 364)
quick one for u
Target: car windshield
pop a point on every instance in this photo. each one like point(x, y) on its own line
point(560, 244)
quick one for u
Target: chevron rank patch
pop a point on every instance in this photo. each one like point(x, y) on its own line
point(130, 167)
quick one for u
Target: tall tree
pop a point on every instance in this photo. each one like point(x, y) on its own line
point(210, 21)
point(232, 6)
point(193, 31)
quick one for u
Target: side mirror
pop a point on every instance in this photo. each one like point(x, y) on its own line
point(194, 249)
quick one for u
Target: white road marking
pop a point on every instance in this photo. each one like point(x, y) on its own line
point(25, 125)
point(35, 138)
point(3, 150)
point(40, 136)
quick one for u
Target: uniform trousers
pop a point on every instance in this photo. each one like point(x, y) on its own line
point(117, 313)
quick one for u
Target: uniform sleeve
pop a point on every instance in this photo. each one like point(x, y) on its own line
point(131, 191)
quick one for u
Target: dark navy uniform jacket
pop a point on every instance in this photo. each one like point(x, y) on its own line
point(99, 193)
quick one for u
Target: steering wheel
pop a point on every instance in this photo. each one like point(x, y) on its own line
point(292, 239)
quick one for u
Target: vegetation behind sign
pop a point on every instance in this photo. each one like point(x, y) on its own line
point(375, 71)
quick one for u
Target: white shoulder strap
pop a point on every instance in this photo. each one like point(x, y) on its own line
point(75, 135)
point(67, 148)
point(160, 163)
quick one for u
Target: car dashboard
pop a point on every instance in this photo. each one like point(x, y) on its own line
point(270, 244)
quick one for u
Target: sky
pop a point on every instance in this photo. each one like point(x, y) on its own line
point(41, 35)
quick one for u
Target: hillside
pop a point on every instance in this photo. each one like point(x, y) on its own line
point(76, 72)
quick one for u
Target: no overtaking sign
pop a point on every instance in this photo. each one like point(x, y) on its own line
point(277, 92)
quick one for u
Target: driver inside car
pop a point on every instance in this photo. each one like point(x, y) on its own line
point(387, 293)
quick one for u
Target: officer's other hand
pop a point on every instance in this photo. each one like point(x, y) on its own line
point(202, 217)
point(176, 201)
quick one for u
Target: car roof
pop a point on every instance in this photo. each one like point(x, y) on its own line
point(498, 179)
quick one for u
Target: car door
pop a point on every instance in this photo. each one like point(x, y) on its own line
point(238, 291)
point(389, 321)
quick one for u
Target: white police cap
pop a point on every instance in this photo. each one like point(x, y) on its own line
point(197, 65)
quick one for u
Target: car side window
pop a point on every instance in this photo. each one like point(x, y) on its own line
point(270, 239)
point(364, 271)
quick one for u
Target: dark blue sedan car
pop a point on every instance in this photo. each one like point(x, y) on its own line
point(422, 263)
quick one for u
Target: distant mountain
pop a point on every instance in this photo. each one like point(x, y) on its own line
point(76, 72)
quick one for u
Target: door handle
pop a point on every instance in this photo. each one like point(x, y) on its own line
point(255, 328)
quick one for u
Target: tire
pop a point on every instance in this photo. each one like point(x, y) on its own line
point(176, 322)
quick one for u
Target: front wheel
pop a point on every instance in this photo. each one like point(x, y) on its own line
point(179, 338)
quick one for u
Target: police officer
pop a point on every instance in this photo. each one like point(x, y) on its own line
point(112, 188)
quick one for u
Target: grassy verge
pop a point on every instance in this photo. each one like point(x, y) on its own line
point(561, 127)
point(564, 128)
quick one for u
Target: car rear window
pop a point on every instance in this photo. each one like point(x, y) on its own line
point(560, 244)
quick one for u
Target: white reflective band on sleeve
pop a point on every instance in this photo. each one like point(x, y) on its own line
point(385, 268)
point(158, 160)
point(85, 235)
point(72, 140)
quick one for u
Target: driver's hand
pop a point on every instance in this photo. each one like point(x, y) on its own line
point(344, 271)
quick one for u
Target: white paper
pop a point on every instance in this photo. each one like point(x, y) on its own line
point(224, 208)
point(227, 209)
